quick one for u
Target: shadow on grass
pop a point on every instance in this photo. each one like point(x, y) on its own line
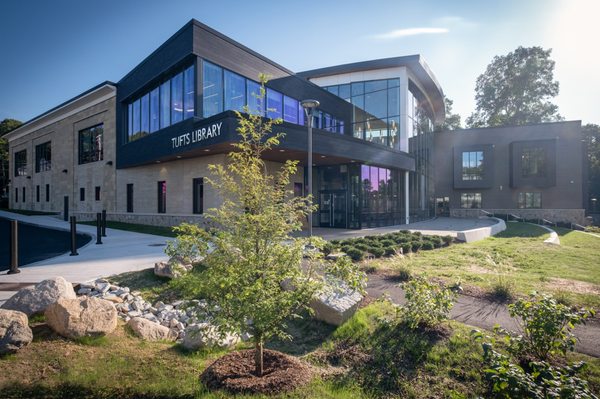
point(79, 391)
point(520, 229)
point(307, 334)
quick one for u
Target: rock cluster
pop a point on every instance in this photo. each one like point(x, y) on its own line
point(174, 268)
point(181, 318)
point(35, 300)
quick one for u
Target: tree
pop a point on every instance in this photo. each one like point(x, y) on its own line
point(516, 89)
point(451, 121)
point(6, 126)
point(591, 135)
point(255, 274)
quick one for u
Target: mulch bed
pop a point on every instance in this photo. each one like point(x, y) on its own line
point(234, 373)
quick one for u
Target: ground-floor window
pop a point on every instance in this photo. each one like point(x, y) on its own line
point(130, 198)
point(162, 197)
point(81, 194)
point(16, 195)
point(470, 200)
point(37, 193)
point(47, 193)
point(24, 195)
point(529, 200)
point(198, 188)
point(97, 193)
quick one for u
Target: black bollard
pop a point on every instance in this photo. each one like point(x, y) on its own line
point(104, 223)
point(73, 236)
point(98, 228)
point(14, 247)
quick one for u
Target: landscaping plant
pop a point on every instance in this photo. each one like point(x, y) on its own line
point(427, 304)
point(255, 274)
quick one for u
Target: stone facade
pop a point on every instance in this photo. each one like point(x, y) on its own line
point(553, 215)
point(61, 128)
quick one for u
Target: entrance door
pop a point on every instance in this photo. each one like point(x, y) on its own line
point(332, 209)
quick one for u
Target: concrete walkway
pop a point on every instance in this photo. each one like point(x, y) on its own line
point(120, 252)
point(485, 314)
point(443, 226)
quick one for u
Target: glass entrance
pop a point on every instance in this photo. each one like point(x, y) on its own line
point(442, 206)
point(332, 209)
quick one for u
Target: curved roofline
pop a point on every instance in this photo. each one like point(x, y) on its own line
point(415, 63)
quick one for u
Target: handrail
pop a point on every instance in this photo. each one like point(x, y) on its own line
point(548, 222)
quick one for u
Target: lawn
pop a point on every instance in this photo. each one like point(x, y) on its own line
point(517, 256)
point(137, 228)
point(27, 212)
point(369, 356)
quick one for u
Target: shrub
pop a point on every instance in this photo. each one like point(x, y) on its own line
point(415, 246)
point(427, 245)
point(502, 289)
point(361, 246)
point(404, 273)
point(406, 247)
point(336, 243)
point(427, 304)
point(328, 248)
point(547, 327)
point(436, 241)
point(387, 242)
point(190, 244)
point(390, 250)
point(448, 240)
point(377, 252)
point(355, 254)
point(542, 381)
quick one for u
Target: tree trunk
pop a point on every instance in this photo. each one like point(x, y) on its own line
point(258, 358)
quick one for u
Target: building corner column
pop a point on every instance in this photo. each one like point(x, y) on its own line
point(406, 199)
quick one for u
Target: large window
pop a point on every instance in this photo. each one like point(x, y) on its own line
point(21, 163)
point(90, 144)
point(168, 103)
point(472, 165)
point(224, 90)
point(470, 200)
point(530, 200)
point(198, 188)
point(533, 162)
point(43, 157)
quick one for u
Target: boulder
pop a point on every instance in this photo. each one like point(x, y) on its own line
point(174, 268)
point(206, 335)
point(14, 331)
point(151, 331)
point(36, 299)
point(336, 303)
point(83, 316)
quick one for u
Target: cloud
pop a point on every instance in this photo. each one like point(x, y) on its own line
point(399, 33)
point(455, 22)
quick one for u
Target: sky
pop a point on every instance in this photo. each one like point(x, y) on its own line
point(53, 50)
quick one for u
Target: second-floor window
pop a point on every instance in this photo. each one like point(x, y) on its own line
point(90, 144)
point(43, 157)
point(472, 165)
point(21, 163)
point(533, 162)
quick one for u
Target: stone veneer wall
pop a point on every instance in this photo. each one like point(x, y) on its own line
point(553, 215)
point(152, 219)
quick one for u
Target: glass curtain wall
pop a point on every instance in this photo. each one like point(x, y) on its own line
point(420, 145)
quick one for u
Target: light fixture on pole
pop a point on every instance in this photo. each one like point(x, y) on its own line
point(309, 108)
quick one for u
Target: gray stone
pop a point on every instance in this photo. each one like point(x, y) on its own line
point(205, 335)
point(171, 269)
point(14, 331)
point(84, 291)
point(336, 303)
point(151, 331)
point(134, 313)
point(34, 300)
point(80, 317)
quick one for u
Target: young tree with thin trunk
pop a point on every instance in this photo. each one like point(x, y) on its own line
point(257, 274)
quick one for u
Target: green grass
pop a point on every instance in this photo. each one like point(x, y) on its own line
point(370, 356)
point(152, 287)
point(137, 228)
point(28, 213)
point(518, 254)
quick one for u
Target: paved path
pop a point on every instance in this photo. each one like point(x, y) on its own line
point(485, 314)
point(121, 251)
point(439, 226)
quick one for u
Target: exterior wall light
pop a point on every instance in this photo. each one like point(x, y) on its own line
point(65, 171)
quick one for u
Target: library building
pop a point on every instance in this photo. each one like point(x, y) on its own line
point(140, 148)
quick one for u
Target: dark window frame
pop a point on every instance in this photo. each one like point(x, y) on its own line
point(47, 192)
point(20, 163)
point(129, 198)
point(161, 196)
point(97, 193)
point(198, 197)
point(96, 148)
point(43, 157)
point(81, 193)
point(37, 193)
point(473, 170)
point(533, 162)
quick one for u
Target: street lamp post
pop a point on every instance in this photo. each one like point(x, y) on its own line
point(309, 107)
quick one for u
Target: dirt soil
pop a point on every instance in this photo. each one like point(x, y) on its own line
point(580, 287)
point(234, 373)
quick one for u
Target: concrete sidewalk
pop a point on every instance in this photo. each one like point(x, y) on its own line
point(120, 252)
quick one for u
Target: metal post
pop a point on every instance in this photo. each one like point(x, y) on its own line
point(104, 223)
point(98, 228)
point(406, 199)
point(73, 236)
point(14, 247)
point(310, 166)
